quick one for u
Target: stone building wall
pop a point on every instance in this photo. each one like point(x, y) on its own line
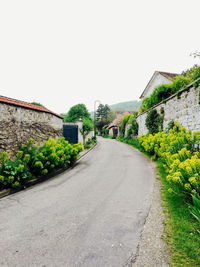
point(183, 108)
point(18, 124)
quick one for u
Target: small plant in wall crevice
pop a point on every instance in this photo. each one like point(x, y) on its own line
point(162, 111)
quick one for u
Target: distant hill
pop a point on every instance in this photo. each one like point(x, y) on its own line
point(123, 106)
point(126, 106)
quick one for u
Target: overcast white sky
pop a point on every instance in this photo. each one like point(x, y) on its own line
point(61, 53)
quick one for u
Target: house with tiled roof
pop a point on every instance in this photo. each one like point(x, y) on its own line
point(158, 78)
point(113, 126)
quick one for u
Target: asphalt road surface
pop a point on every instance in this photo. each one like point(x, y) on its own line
point(91, 215)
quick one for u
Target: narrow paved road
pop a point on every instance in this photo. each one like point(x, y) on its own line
point(89, 216)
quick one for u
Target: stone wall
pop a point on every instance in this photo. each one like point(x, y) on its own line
point(18, 124)
point(183, 108)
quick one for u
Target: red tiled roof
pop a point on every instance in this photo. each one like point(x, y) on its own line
point(168, 74)
point(27, 105)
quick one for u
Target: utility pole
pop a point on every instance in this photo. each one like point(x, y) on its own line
point(96, 101)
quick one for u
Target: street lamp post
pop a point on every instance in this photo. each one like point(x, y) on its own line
point(96, 101)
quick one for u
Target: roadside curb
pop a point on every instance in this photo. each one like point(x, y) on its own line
point(86, 152)
point(6, 192)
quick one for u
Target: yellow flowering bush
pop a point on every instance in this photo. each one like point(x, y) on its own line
point(180, 153)
point(32, 161)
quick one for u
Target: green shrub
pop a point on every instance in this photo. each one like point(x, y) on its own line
point(170, 126)
point(32, 161)
point(154, 121)
point(195, 208)
point(180, 153)
point(196, 135)
point(122, 126)
point(195, 74)
point(133, 129)
point(105, 131)
point(90, 142)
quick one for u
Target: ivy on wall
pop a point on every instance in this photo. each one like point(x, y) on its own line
point(154, 121)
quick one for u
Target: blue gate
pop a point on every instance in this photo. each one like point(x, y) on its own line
point(70, 132)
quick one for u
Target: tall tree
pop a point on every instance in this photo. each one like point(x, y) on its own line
point(102, 111)
point(104, 116)
point(76, 112)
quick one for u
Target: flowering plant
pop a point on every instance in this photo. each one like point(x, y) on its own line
point(162, 110)
point(180, 153)
point(32, 161)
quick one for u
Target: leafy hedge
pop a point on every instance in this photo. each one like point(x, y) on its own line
point(32, 161)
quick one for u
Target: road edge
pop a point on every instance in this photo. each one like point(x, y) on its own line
point(152, 250)
point(7, 192)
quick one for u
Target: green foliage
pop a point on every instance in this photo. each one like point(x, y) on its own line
point(34, 161)
point(76, 112)
point(170, 126)
point(131, 141)
point(125, 119)
point(110, 116)
point(105, 131)
point(103, 117)
point(133, 129)
point(37, 104)
point(196, 136)
point(193, 74)
point(164, 91)
point(195, 208)
point(181, 231)
point(154, 121)
point(180, 153)
point(122, 126)
point(86, 128)
point(102, 112)
point(90, 142)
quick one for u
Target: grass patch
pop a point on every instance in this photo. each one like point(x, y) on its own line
point(182, 231)
point(131, 141)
